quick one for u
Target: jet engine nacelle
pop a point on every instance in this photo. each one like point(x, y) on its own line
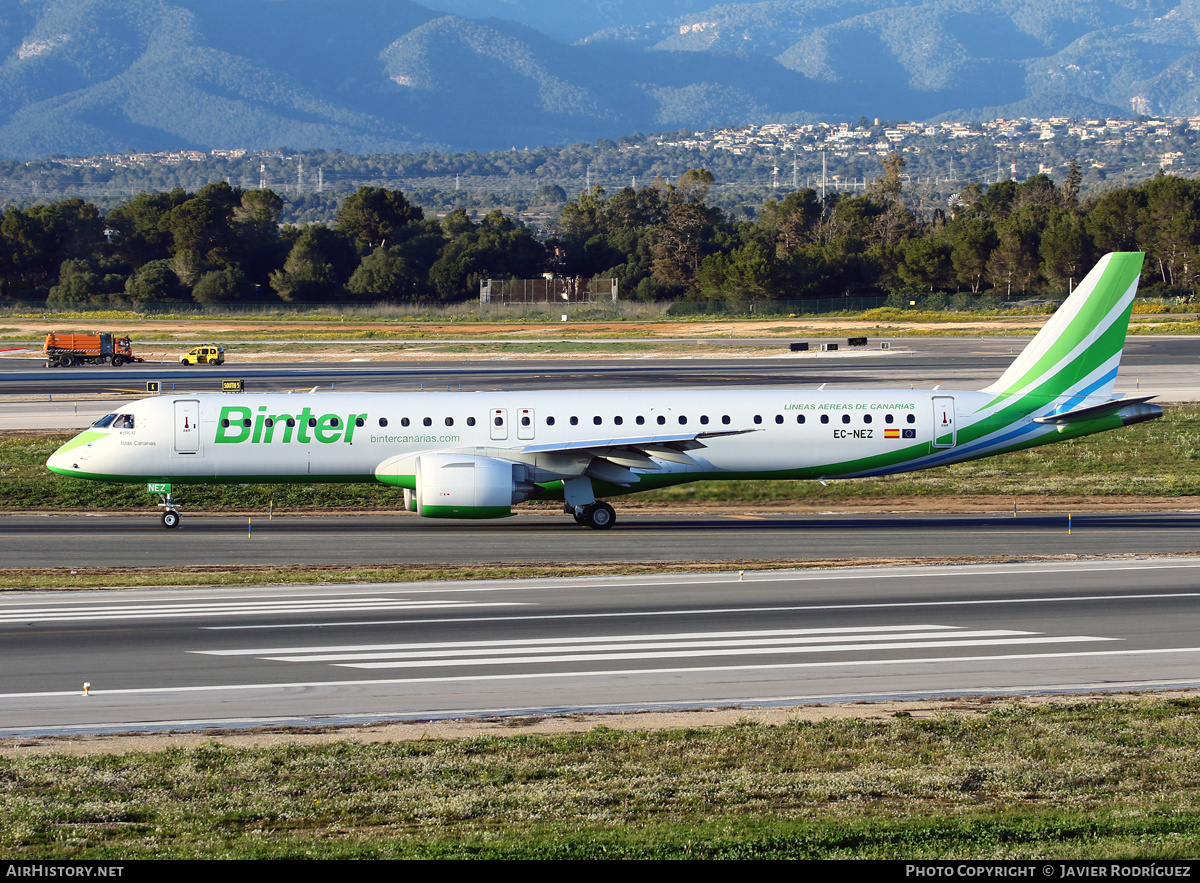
point(467, 486)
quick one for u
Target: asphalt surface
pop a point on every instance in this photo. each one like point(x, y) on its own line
point(337, 654)
point(955, 363)
point(37, 398)
point(128, 541)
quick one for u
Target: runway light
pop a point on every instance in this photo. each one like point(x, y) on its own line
point(741, 573)
point(86, 687)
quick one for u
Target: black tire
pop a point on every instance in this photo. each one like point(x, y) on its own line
point(170, 519)
point(67, 361)
point(599, 516)
point(117, 361)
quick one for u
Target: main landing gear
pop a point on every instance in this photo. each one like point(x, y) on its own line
point(170, 516)
point(598, 516)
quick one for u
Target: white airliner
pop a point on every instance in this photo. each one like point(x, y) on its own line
point(475, 455)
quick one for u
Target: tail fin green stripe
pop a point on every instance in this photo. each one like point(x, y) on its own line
point(1095, 317)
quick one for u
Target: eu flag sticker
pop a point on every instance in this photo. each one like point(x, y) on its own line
point(910, 433)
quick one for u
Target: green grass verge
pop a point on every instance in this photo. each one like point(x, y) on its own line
point(1084, 780)
point(1156, 459)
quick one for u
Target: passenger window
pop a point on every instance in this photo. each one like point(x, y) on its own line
point(888, 418)
point(912, 418)
point(618, 420)
point(596, 420)
point(758, 418)
point(574, 421)
point(866, 418)
point(778, 418)
point(661, 420)
point(383, 421)
point(270, 421)
point(845, 418)
point(641, 420)
point(704, 420)
point(549, 421)
point(358, 421)
point(404, 421)
point(449, 421)
point(682, 420)
point(129, 423)
point(471, 421)
point(799, 418)
point(333, 424)
point(291, 421)
point(524, 420)
point(824, 418)
point(725, 419)
point(312, 421)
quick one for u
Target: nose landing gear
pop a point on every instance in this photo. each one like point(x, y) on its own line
point(170, 517)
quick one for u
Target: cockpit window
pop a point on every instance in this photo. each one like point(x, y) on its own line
point(124, 421)
point(104, 421)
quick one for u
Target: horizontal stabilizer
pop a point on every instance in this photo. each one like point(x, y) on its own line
point(1091, 412)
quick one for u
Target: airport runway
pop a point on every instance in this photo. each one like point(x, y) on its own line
point(1168, 365)
point(195, 658)
point(187, 658)
point(127, 541)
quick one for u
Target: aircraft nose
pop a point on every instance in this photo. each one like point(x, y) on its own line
point(70, 458)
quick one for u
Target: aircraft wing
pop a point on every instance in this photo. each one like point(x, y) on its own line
point(605, 459)
point(678, 441)
point(609, 459)
point(614, 459)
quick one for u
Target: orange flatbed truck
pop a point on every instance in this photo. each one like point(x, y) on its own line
point(69, 350)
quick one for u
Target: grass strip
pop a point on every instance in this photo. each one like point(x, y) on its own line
point(90, 578)
point(1069, 779)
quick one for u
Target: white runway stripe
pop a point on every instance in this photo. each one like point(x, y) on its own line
point(708, 654)
point(234, 609)
point(1099, 656)
point(603, 646)
point(524, 642)
point(686, 645)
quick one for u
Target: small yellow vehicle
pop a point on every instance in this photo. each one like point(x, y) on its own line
point(209, 354)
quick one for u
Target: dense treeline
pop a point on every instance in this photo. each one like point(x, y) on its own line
point(225, 245)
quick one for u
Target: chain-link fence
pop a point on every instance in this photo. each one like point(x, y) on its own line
point(523, 292)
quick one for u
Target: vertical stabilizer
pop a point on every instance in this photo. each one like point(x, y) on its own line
point(1078, 351)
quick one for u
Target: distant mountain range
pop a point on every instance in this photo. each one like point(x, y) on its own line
point(94, 76)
